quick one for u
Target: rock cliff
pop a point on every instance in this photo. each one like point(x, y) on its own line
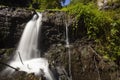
point(86, 64)
point(12, 23)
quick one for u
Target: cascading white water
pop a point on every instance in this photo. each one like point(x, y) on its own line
point(28, 46)
point(27, 57)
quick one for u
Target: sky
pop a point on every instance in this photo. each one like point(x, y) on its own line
point(66, 2)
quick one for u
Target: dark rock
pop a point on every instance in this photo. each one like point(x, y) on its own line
point(5, 56)
point(12, 23)
point(53, 29)
point(54, 25)
point(20, 75)
point(86, 63)
point(57, 18)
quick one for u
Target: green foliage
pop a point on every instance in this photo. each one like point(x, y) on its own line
point(81, 1)
point(16, 3)
point(100, 26)
point(37, 4)
point(46, 4)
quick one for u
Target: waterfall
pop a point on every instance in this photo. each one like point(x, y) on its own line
point(28, 46)
point(69, 53)
point(27, 56)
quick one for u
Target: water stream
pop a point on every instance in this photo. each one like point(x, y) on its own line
point(69, 53)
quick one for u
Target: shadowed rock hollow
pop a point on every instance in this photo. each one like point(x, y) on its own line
point(12, 23)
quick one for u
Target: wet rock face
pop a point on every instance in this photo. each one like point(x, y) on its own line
point(20, 75)
point(57, 18)
point(53, 28)
point(86, 64)
point(12, 23)
point(54, 25)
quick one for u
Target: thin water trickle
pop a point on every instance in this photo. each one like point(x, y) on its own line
point(69, 53)
point(67, 39)
point(27, 57)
